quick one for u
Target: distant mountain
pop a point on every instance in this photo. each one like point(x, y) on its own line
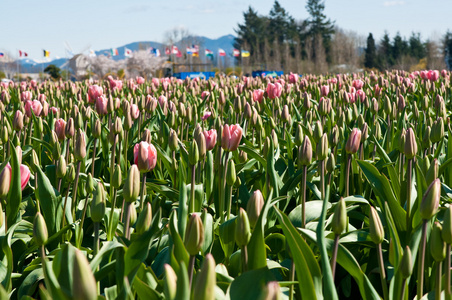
point(224, 42)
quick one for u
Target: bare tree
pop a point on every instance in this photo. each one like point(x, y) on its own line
point(345, 50)
point(144, 64)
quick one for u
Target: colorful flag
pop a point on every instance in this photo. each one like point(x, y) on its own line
point(2, 54)
point(236, 53)
point(127, 52)
point(154, 51)
point(189, 50)
point(157, 52)
point(209, 53)
point(221, 52)
point(167, 51)
point(178, 53)
point(46, 53)
point(22, 53)
point(245, 53)
point(92, 53)
point(114, 52)
point(175, 50)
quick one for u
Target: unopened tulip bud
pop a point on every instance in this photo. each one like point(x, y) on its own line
point(144, 219)
point(201, 142)
point(410, 144)
point(437, 130)
point(299, 135)
point(173, 140)
point(133, 214)
point(170, 283)
point(432, 172)
point(339, 221)
point(318, 131)
point(34, 160)
point(333, 138)
point(5, 180)
point(331, 163)
point(446, 233)
point(353, 141)
point(405, 264)
point(254, 207)
point(97, 130)
point(80, 145)
point(206, 280)
point(243, 156)
point(18, 121)
point(117, 177)
point(231, 175)
point(430, 200)
point(40, 233)
point(437, 245)
point(98, 203)
point(71, 173)
point(193, 156)
point(131, 188)
point(322, 148)
point(271, 291)
point(376, 230)
point(242, 229)
point(4, 135)
point(285, 115)
point(194, 234)
point(146, 136)
point(83, 284)
point(90, 184)
point(69, 130)
point(305, 152)
point(117, 126)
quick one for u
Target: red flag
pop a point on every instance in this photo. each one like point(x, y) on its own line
point(167, 51)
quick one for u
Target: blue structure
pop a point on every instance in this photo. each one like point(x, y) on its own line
point(267, 73)
point(203, 75)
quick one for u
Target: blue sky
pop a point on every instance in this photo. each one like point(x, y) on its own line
point(32, 25)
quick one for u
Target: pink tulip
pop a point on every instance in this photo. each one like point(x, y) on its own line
point(134, 111)
point(205, 94)
point(162, 100)
point(60, 128)
point(140, 80)
point(34, 105)
point(206, 115)
point(293, 78)
point(42, 97)
point(165, 84)
point(94, 92)
point(145, 156)
point(258, 95)
point(24, 175)
point(101, 105)
point(155, 82)
point(325, 90)
point(26, 95)
point(444, 73)
point(240, 88)
point(351, 97)
point(358, 84)
point(424, 74)
point(353, 141)
point(274, 90)
point(361, 95)
point(33, 83)
point(332, 80)
point(211, 138)
point(433, 75)
point(231, 137)
point(54, 110)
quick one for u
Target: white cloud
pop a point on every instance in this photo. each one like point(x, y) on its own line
point(393, 3)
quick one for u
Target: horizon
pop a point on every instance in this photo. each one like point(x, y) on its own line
point(123, 23)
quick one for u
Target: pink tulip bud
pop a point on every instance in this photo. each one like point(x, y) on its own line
point(101, 105)
point(358, 84)
point(444, 73)
point(293, 78)
point(231, 137)
point(433, 75)
point(155, 82)
point(211, 138)
point(145, 156)
point(24, 175)
point(162, 100)
point(325, 90)
point(26, 95)
point(206, 115)
point(258, 95)
point(353, 141)
point(34, 105)
point(361, 95)
point(134, 111)
point(205, 94)
point(54, 110)
point(94, 92)
point(274, 90)
point(60, 128)
point(140, 80)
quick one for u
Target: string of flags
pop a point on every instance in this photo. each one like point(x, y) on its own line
point(173, 50)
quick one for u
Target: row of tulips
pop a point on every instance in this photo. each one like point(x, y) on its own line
point(298, 187)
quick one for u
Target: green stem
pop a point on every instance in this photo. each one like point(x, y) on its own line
point(447, 275)
point(347, 175)
point(112, 158)
point(112, 212)
point(127, 222)
point(74, 192)
point(408, 196)
point(79, 242)
point(191, 266)
point(96, 238)
point(420, 271)
point(384, 285)
point(322, 178)
point(403, 289)
point(192, 190)
point(334, 255)
point(229, 203)
point(303, 197)
point(438, 281)
point(143, 189)
point(292, 278)
point(244, 254)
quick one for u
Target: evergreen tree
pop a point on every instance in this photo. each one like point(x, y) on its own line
point(319, 25)
point(399, 47)
point(448, 49)
point(384, 52)
point(416, 47)
point(370, 58)
point(53, 71)
point(252, 32)
point(281, 26)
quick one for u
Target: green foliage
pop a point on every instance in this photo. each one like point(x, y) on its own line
point(53, 71)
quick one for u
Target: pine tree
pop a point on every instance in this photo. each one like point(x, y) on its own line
point(252, 32)
point(370, 58)
point(399, 47)
point(448, 49)
point(417, 48)
point(319, 26)
point(384, 53)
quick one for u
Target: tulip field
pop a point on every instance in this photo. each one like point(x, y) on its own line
point(305, 186)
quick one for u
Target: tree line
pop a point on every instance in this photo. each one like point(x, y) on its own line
point(279, 42)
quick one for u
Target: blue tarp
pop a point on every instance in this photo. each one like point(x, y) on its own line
point(267, 73)
point(204, 75)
